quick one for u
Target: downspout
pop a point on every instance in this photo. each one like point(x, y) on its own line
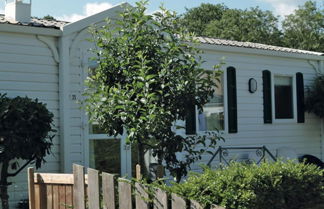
point(321, 70)
point(64, 89)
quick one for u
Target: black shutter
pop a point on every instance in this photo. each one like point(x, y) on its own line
point(191, 120)
point(300, 98)
point(231, 100)
point(267, 104)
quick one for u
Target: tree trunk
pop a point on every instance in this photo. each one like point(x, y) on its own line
point(4, 186)
point(141, 160)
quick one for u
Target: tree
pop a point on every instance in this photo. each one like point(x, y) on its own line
point(253, 25)
point(304, 29)
point(149, 76)
point(218, 21)
point(196, 19)
point(24, 136)
point(48, 17)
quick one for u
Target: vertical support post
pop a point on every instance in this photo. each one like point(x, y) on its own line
point(138, 172)
point(78, 187)
point(31, 188)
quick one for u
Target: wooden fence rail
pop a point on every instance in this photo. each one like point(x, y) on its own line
point(94, 191)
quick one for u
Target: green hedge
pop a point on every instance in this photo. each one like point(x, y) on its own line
point(276, 185)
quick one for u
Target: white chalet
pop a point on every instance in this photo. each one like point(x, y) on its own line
point(259, 103)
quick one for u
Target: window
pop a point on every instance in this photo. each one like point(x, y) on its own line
point(283, 96)
point(212, 117)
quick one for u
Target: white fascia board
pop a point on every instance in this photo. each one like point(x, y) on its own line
point(30, 30)
point(88, 21)
point(242, 50)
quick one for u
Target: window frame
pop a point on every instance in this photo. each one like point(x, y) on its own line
point(294, 99)
point(225, 130)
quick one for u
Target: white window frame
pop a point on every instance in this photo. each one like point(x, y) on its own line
point(225, 130)
point(294, 95)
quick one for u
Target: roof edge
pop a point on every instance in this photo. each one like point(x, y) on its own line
point(257, 51)
point(99, 17)
point(30, 30)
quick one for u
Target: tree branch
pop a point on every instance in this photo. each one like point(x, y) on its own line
point(21, 168)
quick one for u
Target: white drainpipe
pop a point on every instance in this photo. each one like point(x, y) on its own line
point(321, 70)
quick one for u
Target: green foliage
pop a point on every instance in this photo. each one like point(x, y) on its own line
point(196, 19)
point(48, 17)
point(275, 185)
point(146, 78)
point(218, 21)
point(253, 25)
point(25, 126)
point(304, 29)
point(315, 97)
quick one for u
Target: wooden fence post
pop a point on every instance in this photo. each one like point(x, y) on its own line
point(31, 188)
point(138, 172)
point(78, 187)
point(195, 205)
point(93, 188)
point(108, 191)
point(125, 194)
point(178, 202)
point(160, 199)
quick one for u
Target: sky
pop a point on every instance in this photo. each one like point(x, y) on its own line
point(72, 10)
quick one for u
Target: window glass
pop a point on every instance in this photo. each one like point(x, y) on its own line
point(94, 128)
point(105, 155)
point(283, 97)
point(212, 117)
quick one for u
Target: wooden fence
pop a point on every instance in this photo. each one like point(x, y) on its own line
point(94, 191)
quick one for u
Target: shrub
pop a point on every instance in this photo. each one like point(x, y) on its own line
point(275, 185)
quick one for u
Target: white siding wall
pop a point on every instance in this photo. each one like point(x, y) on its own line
point(302, 137)
point(27, 68)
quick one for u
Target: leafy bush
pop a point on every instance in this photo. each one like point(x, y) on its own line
point(276, 185)
point(315, 98)
point(26, 135)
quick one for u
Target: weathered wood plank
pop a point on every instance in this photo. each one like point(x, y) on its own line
point(178, 202)
point(62, 197)
point(93, 188)
point(125, 194)
point(50, 178)
point(78, 187)
point(160, 200)
point(49, 194)
point(69, 196)
point(141, 197)
point(56, 201)
point(108, 191)
point(31, 188)
point(42, 196)
point(37, 197)
point(195, 205)
point(55, 178)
